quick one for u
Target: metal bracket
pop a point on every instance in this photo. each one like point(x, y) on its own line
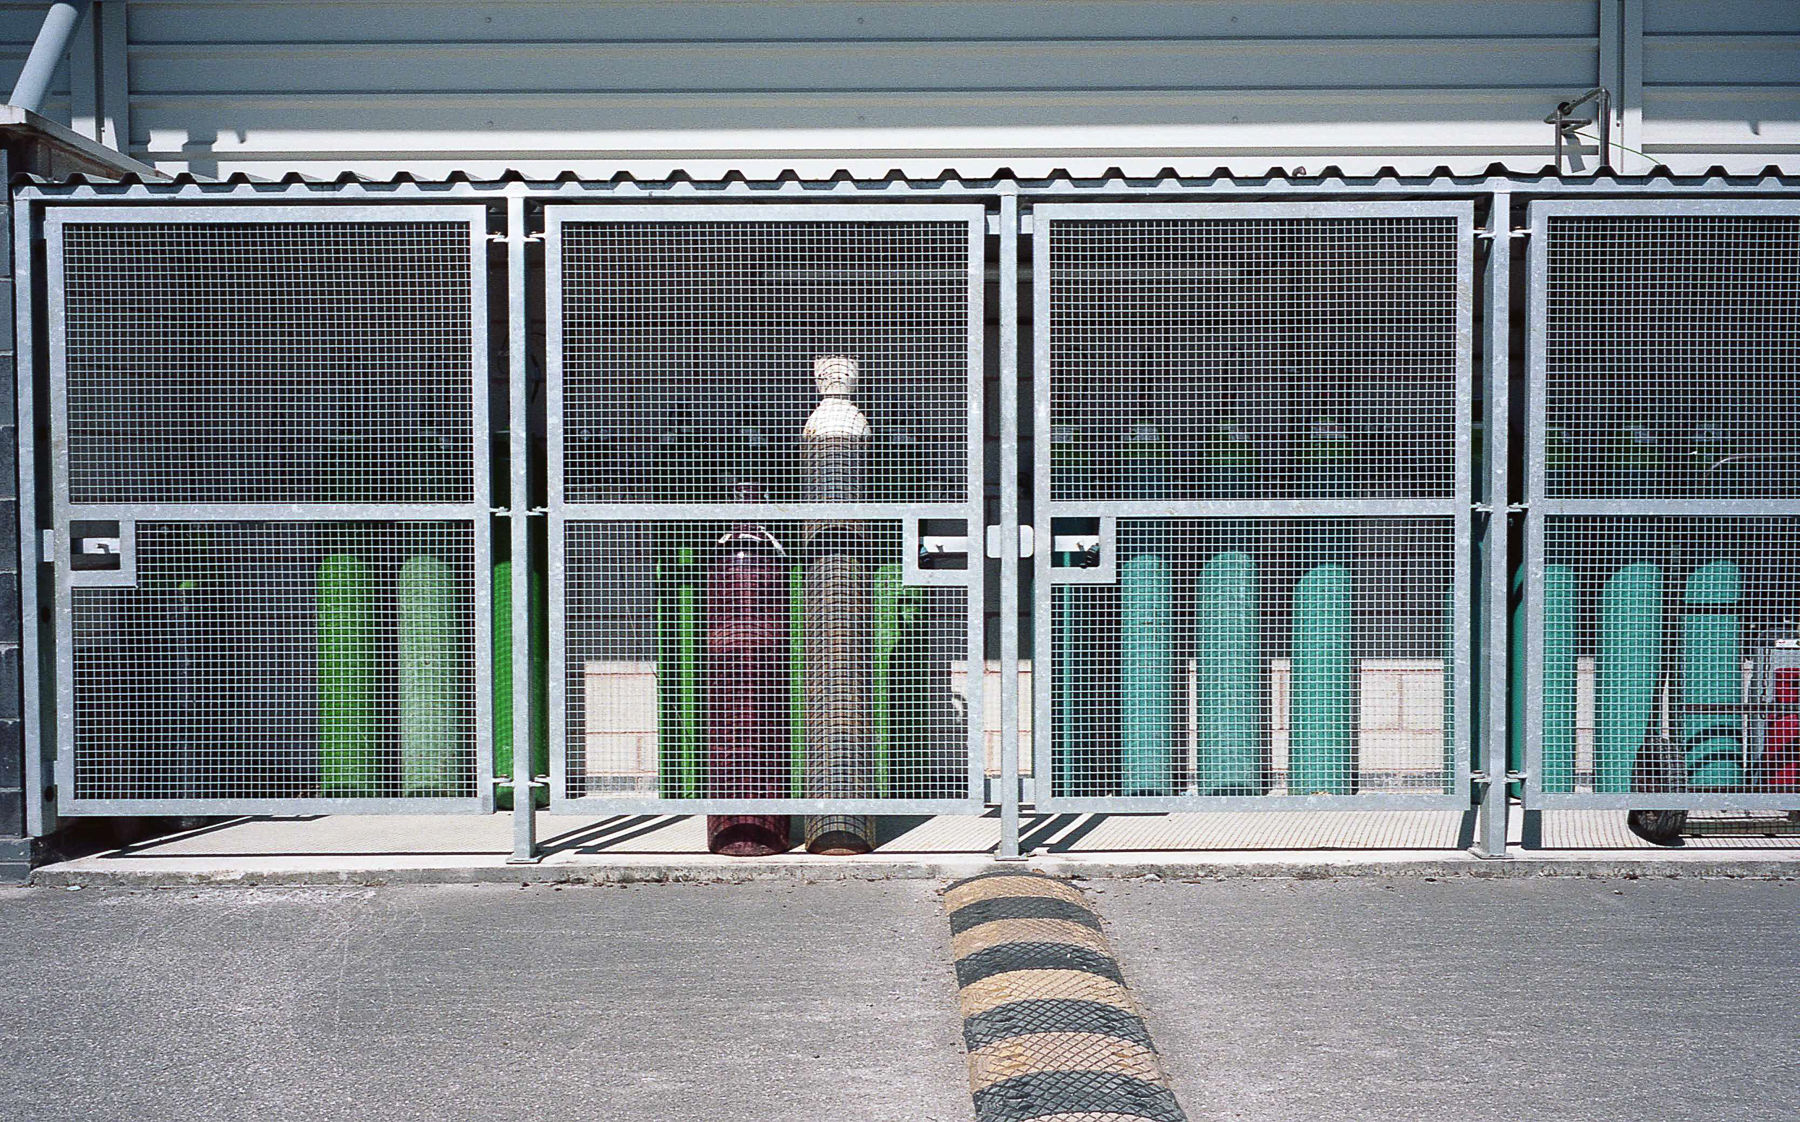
point(996, 543)
point(1566, 125)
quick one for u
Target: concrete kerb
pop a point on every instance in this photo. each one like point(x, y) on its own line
point(147, 872)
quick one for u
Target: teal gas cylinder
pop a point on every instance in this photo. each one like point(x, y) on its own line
point(1228, 662)
point(1711, 629)
point(1146, 649)
point(1631, 622)
point(1321, 683)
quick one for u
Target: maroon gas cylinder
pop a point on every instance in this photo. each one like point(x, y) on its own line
point(747, 736)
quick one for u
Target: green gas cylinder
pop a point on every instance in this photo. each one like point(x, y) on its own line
point(796, 669)
point(895, 684)
point(348, 765)
point(538, 699)
point(678, 674)
point(431, 756)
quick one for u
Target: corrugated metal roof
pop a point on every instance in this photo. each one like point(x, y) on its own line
point(1325, 179)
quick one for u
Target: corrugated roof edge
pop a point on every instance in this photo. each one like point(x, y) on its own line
point(947, 179)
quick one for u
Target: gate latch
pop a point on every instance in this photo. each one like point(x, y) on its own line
point(103, 553)
point(935, 551)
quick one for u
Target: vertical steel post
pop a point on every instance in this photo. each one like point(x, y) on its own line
point(1496, 685)
point(1009, 524)
point(115, 77)
point(40, 810)
point(519, 510)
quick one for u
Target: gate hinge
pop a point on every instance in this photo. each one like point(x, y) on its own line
point(1521, 232)
point(993, 223)
point(510, 238)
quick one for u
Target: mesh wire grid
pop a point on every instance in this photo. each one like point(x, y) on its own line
point(688, 352)
point(280, 660)
point(1258, 657)
point(256, 362)
point(1213, 358)
point(1670, 659)
point(1671, 356)
point(747, 660)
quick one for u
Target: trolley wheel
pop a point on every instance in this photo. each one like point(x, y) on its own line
point(1660, 769)
point(1658, 827)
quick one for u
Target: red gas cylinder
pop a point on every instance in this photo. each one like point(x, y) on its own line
point(1781, 748)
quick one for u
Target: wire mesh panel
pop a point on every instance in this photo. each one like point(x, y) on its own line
point(759, 661)
point(688, 349)
point(273, 361)
point(280, 660)
point(1254, 353)
point(1256, 657)
point(1253, 458)
point(270, 481)
point(760, 417)
point(1661, 608)
point(1671, 354)
point(1670, 656)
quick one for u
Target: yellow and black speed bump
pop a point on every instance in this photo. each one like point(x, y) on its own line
point(1052, 1032)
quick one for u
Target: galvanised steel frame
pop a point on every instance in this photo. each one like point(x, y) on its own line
point(1459, 507)
point(1541, 506)
point(1005, 201)
point(473, 513)
point(562, 513)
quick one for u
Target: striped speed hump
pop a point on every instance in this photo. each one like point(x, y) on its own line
point(1053, 1034)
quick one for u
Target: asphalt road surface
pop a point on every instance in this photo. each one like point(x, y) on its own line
point(1343, 999)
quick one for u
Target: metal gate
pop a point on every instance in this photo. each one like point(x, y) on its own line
point(1663, 585)
point(271, 508)
point(1253, 457)
point(765, 470)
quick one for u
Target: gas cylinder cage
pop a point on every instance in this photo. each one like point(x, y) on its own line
point(813, 468)
point(1662, 595)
